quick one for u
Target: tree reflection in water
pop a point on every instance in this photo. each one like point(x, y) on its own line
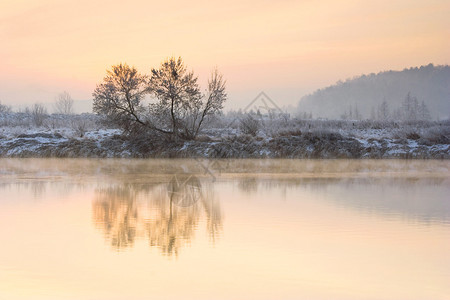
point(115, 209)
point(166, 214)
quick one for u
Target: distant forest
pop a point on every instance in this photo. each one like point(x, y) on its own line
point(420, 93)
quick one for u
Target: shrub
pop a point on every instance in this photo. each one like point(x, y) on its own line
point(249, 125)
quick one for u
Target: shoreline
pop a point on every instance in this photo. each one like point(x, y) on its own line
point(309, 145)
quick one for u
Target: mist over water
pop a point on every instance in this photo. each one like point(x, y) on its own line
point(224, 229)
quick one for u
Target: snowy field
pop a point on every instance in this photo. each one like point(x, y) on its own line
point(86, 136)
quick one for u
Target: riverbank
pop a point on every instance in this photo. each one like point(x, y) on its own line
point(315, 144)
point(87, 135)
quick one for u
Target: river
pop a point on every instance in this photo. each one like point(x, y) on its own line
point(224, 229)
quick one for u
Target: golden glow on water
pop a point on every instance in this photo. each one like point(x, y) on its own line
point(106, 229)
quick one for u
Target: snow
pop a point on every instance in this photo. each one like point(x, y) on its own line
point(101, 133)
point(296, 139)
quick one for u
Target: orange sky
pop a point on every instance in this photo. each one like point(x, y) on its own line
point(286, 48)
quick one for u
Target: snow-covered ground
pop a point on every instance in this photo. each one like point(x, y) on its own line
point(85, 136)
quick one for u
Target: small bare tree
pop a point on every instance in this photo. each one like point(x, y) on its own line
point(79, 125)
point(4, 108)
point(424, 113)
point(64, 104)
point(383, 111)
point(410, 108)
point(38, 114)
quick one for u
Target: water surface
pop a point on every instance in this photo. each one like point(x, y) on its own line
point(224, 229)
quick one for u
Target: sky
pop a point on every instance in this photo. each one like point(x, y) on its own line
point(285, 48)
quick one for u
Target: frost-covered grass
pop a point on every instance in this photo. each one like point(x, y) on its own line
point(86, 136)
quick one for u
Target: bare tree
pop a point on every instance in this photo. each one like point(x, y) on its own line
point(215, 98)
point(410, 108)
point(177, 92)
point(38, 114)
point(424, 113)
point(181, 108)
point(358, 115)
point(120, 96)
point(383, 111)
point(79, 125)
point(64, 104)
point(5, 108)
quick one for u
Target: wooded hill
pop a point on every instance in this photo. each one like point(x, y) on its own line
point(361, 97)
